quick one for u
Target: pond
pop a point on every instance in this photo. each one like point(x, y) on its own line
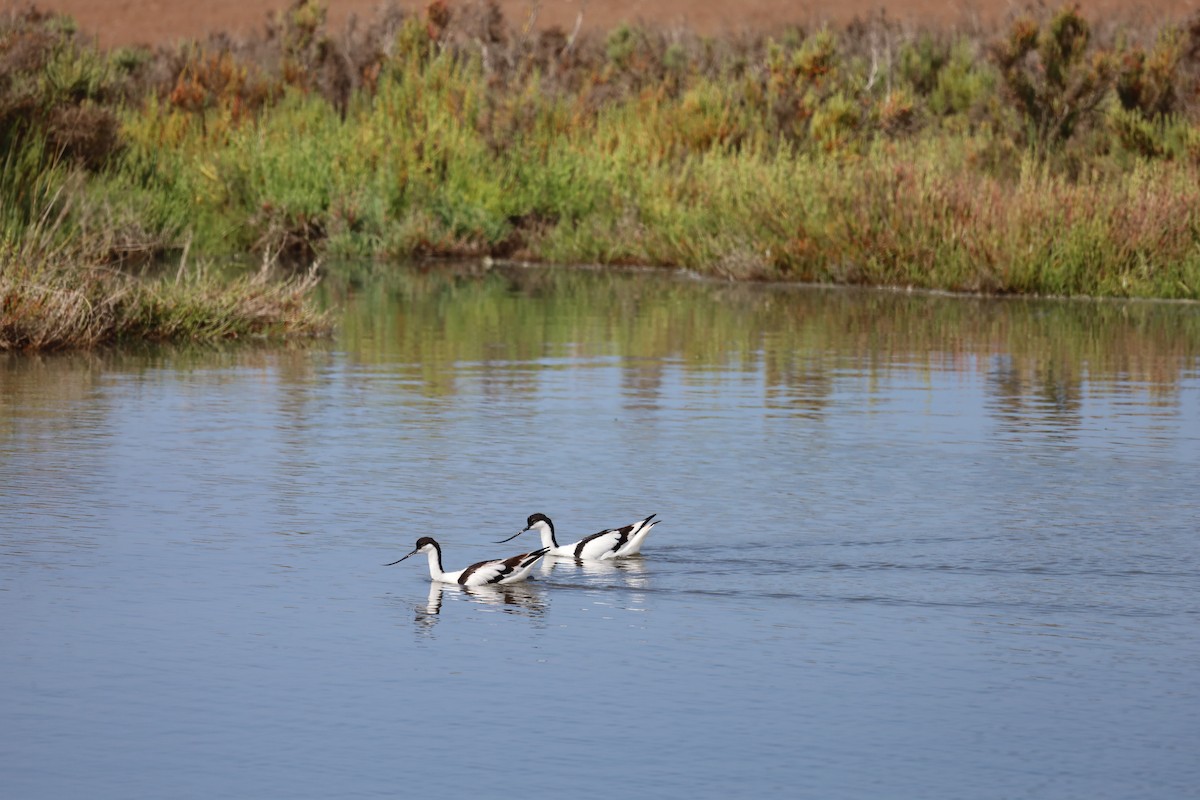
point(911, 546)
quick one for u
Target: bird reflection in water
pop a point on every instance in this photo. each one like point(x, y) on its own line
point(516, 598)
point(614, 583)
point(629, 573)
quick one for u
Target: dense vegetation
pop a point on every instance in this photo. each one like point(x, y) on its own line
point(1053, 156)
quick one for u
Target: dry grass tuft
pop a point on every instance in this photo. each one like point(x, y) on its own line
point(65, 306)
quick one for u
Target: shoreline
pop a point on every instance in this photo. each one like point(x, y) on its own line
point(684, 273)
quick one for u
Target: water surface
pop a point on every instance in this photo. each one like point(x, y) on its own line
point(911, 546)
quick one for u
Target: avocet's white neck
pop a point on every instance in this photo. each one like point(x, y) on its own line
point(546, 532)
point(435, 563)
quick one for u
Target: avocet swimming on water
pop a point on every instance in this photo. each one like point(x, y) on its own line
point(485, 573)
point(611, 543)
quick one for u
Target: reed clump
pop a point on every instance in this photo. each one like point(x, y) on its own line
point(1052, 156)
point(51, 303)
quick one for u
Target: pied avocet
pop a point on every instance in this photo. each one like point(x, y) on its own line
point(485, 573)
point(610, 543)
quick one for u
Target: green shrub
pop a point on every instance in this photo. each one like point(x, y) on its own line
point(921, 60)
point(54, 90)
point(1053, 79)
point(962, 83)
point(1147, 82)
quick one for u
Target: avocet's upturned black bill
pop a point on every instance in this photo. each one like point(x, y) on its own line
point(609, 543)
point(485, 573)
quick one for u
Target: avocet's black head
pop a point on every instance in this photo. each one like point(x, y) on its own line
point(534, 519)
point(423, 545)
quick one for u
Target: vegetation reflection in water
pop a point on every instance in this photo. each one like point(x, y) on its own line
point(447, 323)
point(444, 321)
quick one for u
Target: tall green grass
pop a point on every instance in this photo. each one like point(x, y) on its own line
point(794, 159)
point(399, 178)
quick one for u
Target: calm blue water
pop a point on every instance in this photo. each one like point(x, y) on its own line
point(911, 547)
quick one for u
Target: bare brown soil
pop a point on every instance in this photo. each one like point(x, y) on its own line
point(155, 22)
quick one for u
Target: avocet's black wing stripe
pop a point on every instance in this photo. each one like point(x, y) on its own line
point(619, 537)
point(499, 569)
point(490, 571)
point(489, 566)
point(582, 543)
